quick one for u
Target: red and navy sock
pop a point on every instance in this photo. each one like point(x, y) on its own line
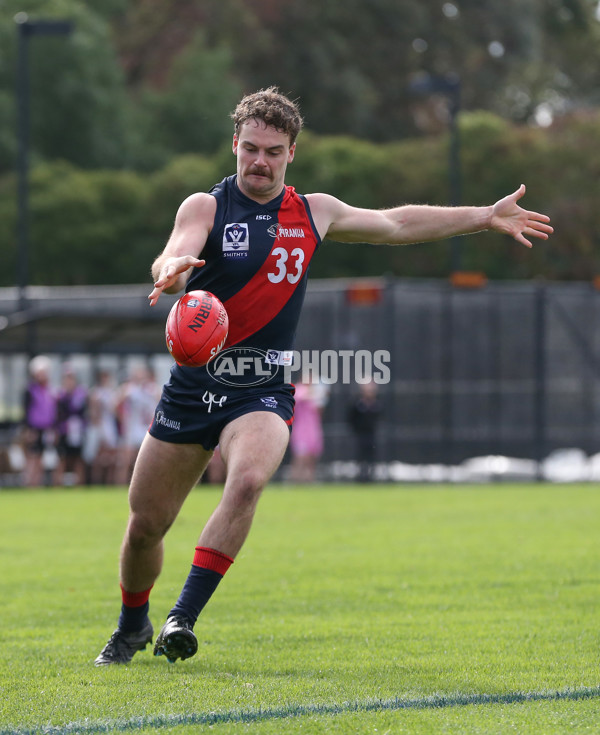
point(134, 610)
point(208, 569)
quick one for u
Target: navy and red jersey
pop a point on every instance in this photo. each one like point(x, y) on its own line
point(257, 259)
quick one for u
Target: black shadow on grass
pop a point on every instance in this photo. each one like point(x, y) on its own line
point(436, 701)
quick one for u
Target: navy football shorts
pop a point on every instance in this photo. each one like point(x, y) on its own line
point(202, 421)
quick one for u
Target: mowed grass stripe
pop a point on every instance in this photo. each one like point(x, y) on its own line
point(376, 603)
point(274, 713)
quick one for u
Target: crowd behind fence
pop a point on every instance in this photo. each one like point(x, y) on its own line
point(509, 369)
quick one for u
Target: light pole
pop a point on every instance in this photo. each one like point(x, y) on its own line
point(449, 86)
point(25, 30)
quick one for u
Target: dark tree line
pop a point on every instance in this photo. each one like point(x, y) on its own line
point(142, 80)
point(131, 113)
point(106, 226)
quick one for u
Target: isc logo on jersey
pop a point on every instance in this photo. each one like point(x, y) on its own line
point(236, 240)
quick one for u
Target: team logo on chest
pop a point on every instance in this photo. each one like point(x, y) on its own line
point(236, 240)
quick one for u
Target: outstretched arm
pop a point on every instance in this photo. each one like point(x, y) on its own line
point(423, 223)
point(173, 266)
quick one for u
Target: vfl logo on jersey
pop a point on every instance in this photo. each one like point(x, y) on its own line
point(278, 230)
point(236, 240)
point(280, 357)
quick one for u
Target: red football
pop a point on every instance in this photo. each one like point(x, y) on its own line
point(196, 328)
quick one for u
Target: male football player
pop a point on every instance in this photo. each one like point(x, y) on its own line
point(249, 241)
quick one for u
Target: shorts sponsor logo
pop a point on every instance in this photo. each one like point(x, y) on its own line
point(242, 366)
point(236, 240)
point(269, 401)
point(212, 399)
point(162, 420)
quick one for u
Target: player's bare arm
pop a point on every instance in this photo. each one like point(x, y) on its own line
point(422, 223)
point(173, 266)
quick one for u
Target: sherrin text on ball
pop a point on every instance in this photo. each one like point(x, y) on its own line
point(196, 328)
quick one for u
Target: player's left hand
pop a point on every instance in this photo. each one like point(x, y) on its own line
point(509, 218)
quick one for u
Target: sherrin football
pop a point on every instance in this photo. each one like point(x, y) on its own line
point(196, 328)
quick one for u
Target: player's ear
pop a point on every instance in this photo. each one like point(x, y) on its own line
point(291, 153)
point(234, 145)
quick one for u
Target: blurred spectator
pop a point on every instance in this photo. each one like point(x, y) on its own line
point(136, 404)
point(306, 442)
point(40, 423)
point(71, 425)
point(363, 417)
point(12, 460)
point(102, 436)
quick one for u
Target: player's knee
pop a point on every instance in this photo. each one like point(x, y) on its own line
point(143, 531)
point(248, 487)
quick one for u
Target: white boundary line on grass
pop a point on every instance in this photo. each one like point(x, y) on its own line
point(434, 701)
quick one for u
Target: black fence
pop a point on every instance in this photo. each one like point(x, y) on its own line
point(509, 368)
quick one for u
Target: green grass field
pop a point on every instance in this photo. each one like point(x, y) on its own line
point(350, 610)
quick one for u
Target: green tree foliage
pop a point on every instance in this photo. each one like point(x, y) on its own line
point(191, 113)
point(101, 226)
point(106, 227)
point(147, 85)
point(89, 226)
point(141, 80)
point(168, 187)
point(351, 63)
point(79, 108)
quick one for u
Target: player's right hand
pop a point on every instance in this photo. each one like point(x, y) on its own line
point(170, 278)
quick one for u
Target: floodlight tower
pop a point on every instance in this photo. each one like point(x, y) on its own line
point(26, 29)
point(447, 85)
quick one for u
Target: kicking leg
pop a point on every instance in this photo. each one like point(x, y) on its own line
point(252, 448)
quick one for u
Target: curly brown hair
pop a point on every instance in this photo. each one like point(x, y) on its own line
point(273, 108)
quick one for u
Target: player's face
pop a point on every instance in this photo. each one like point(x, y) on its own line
point(263, 153)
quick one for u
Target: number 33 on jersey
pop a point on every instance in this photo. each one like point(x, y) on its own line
point(296, 258)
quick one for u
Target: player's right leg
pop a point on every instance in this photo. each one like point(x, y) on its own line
point(253, 446)
point(163, 476)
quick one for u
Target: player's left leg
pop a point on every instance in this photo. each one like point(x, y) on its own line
point(252, 447)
